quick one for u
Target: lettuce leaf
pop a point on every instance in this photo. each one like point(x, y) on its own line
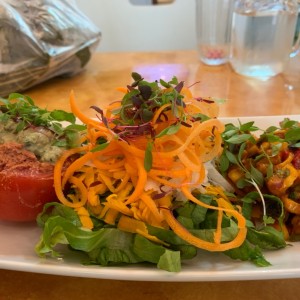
point(105, 246)
point(248, 252)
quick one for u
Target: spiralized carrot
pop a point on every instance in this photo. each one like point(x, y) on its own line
point(177, 164)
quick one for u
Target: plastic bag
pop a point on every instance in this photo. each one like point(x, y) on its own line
point(42, 39)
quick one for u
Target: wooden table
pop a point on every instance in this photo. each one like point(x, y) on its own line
point(96, 86)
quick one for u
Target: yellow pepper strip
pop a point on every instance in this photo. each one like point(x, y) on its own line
point(111, 216)
point(120, 174)
point(107, 181)
point(75, 166)
point(94, 192)
point(135, 226)
point(58, 170)
point(84, 217)
point(152, 207)
point(123, 183)
point(88, 176)
point(114, 203)
point(142, 179)
point(278, 184)
point(222, 199)
point(291, 205)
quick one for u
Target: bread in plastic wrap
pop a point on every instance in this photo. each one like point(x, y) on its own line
point(42, 39)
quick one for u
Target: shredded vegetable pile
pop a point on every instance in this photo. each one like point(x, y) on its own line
point(137, 189)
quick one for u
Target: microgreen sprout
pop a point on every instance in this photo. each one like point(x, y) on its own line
point(235, 140)
point(22, 110)
point(138, 106)
point(238, 140)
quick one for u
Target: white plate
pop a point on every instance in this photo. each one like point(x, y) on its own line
point(17, 243)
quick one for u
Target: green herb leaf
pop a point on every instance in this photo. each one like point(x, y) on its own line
point(148, 157)
point(223, 163)
point(231, 157)
point(136, 76)
point(164, 83)
point(271, 129)
point(288, 123)
point(248, 127)
point(268, 220)
point(169, 130)
point(200, 117)
point(60, 115)
point(238, 139)
point(248, 252)
point(100, 147)
point(292, 135)
point(257, 176)
point(23, 109)
point(229, 133)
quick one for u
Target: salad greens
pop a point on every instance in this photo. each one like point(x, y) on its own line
point(107, 245)
point(250, 163)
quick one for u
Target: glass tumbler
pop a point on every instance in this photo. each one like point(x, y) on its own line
point(263, 36)
point(213, 28)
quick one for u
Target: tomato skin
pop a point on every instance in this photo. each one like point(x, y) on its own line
point(22, 196)
point(296, 159)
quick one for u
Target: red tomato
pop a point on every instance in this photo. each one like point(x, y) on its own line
point(22, 196)
point(296, 159)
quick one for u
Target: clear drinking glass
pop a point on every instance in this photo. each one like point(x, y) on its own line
point(213, 27)
point(263, 36)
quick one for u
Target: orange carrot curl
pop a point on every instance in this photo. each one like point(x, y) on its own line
point(138, 155)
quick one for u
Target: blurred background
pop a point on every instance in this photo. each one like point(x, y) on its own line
point(143, 25)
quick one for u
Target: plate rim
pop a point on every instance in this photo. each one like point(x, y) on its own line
point(141, 272)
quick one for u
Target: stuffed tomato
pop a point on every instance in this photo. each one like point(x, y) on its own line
point(31, 141)
point(25, 183)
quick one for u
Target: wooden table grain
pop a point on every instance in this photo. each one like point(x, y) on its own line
point(243, 96)
point(106, 71)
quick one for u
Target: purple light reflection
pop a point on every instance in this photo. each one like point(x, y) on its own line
point(162, 71)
